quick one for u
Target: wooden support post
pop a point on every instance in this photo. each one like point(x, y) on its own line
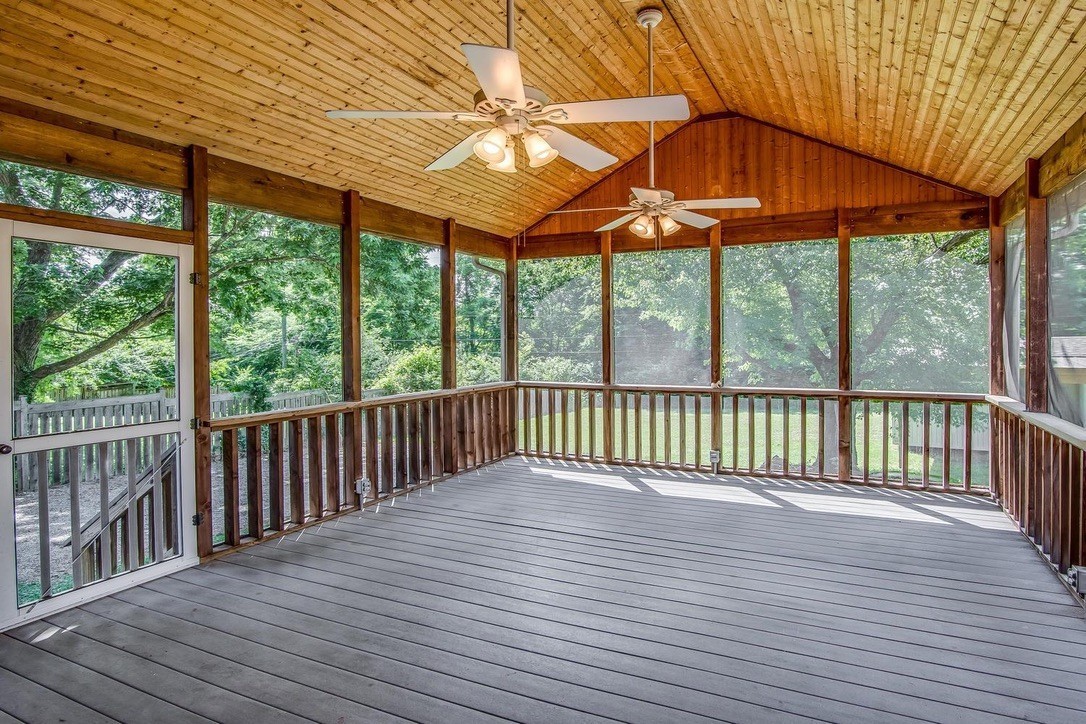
point(608, 347)
point(448, 345)
point(997, 278)
point(844, 345)
point(510, 323)
point(351, 333)
point(194, 219)
point(1036, 392)
point(716, 371)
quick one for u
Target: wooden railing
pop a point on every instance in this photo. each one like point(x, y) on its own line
point(278, 471)
point(1039, 469)
point(893, 438)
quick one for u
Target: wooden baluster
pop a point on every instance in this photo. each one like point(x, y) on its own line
point(525, 426)
point(885, 442)
point(540, 449)
point(231, 489)
point(786, 422)
point(44, 538)
point(578, 396)
point(401, 447)
point(254, 469)
point(925, 448)
point(478, 423)
point(564, 398)
point(373, 447)
point(275, 475)
point(667, 428)
point(735, 433)
point(551, 410)
point(625, 428)
point(105, 562)
point(388, 438)
point(768, 434)
point(637, 426)
point(905, 444)
point(946, 445)
point(967, 452)
point(426, 461)
point(803, 437)
point(682, 430)
point(592, 424)
point(867, 440)
point(331, 462)
point(158, 502)
point(697, 431)
point(750, 433)
point(295, 462)
point(315, 467)
point(653, 399)
point(76, 544)
point(821, 437)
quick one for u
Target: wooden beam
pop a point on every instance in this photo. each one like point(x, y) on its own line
point(90, 223)
point(448, 305)
point(844, 345)
point(997, 279)
point(510, 323)
point(1037, 344)
point(72, 149)
point(241, 184)
point(194, 215)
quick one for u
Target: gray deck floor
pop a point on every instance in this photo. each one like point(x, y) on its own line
point(547, 592)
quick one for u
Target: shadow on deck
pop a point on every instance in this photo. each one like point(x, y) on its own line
point(542, 591)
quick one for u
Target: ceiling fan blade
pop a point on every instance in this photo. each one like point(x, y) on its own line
point(733, 203)
point(648, 196)
point(691, 219)
point(585, 211)
point(644, 108)
point(498, 71)
point(619, 221)
point(421, 115)
point(582, 153)
point(455, 155)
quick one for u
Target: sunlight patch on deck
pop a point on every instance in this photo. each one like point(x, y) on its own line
point(847, 505)
point(707, 491)
point(987, 519)
point(609, 481)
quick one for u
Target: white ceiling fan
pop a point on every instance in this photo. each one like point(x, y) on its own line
point(513, 109)
point(655, 212)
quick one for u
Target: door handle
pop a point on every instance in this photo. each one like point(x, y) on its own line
point(5, 449)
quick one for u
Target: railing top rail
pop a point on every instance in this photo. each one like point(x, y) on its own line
point(894, 396)
point(1066, 431)
point(300, 413)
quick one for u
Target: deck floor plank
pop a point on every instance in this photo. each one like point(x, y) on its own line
point(542, 591)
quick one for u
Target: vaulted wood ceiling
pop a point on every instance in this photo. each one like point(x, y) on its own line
point(960, 90)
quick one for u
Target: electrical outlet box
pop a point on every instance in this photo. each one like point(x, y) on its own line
point(714, 457)
point(1077, 574)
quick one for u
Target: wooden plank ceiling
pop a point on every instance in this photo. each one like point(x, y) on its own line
point(963, 91)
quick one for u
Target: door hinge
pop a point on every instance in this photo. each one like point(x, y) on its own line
point(197, 518)
point(194, 278)
point(196, 423)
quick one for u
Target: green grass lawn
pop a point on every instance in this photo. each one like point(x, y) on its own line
point(738, 451)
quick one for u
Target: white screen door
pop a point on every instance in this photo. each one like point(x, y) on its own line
point(96, 459)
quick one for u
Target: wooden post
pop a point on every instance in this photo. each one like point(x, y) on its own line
point(448, 344)
point(195, 219)
point(351, 335)
point(716, 372)
point(844, 345)
point(1036, 392)
point(608, 348)
point(510, 323)
point(997, 279)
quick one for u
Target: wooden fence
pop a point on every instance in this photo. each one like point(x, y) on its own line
point(281, 471)
point(756, 431)
point(1039, 469)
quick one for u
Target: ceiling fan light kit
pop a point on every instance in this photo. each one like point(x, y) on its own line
point(508, 161)
point(512, 109)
